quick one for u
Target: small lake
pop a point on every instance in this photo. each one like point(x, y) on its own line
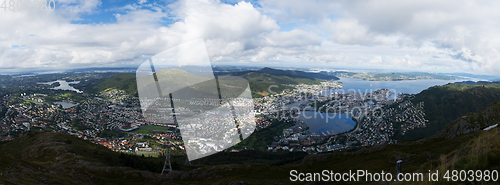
point(63, 85)
point(324, 123)
point(65, 105)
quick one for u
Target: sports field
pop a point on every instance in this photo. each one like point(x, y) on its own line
point(151, 129)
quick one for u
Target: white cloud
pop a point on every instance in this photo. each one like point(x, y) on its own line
point(466, 28)
point(299, 10)
point(415, 35)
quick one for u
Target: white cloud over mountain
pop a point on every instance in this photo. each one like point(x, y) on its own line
point(458, 35)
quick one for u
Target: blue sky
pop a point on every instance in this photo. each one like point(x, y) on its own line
point(106, 11)
point(428, 36)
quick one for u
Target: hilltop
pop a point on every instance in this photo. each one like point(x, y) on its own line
point(172, 79)
point(121, 81)
point(288, 73)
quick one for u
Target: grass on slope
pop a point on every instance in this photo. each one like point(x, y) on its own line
point(42, 157)
point(151, 129)
point(480, 153)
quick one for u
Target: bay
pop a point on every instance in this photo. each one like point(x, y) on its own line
point(63, 85)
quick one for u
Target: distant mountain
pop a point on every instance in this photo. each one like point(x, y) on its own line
point(337, 73)
point(477, 83)
point(466, 82)
point(486, 77)
point(444, 104)
point(298, 74)
point(393, 76)
point(225, 69)
point(288, 73)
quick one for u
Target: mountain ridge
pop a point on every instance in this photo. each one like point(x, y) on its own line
point(289, 73)
point(259, 81)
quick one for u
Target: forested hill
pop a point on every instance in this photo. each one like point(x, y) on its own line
point(444, 104)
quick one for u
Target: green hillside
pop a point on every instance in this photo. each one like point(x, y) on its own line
point(478, 154)
point(122, 81)
point(178, 78)
point(443, 104)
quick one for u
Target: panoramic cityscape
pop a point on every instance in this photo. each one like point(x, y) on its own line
point(249, 92)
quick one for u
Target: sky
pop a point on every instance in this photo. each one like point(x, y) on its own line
point(412, 35)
